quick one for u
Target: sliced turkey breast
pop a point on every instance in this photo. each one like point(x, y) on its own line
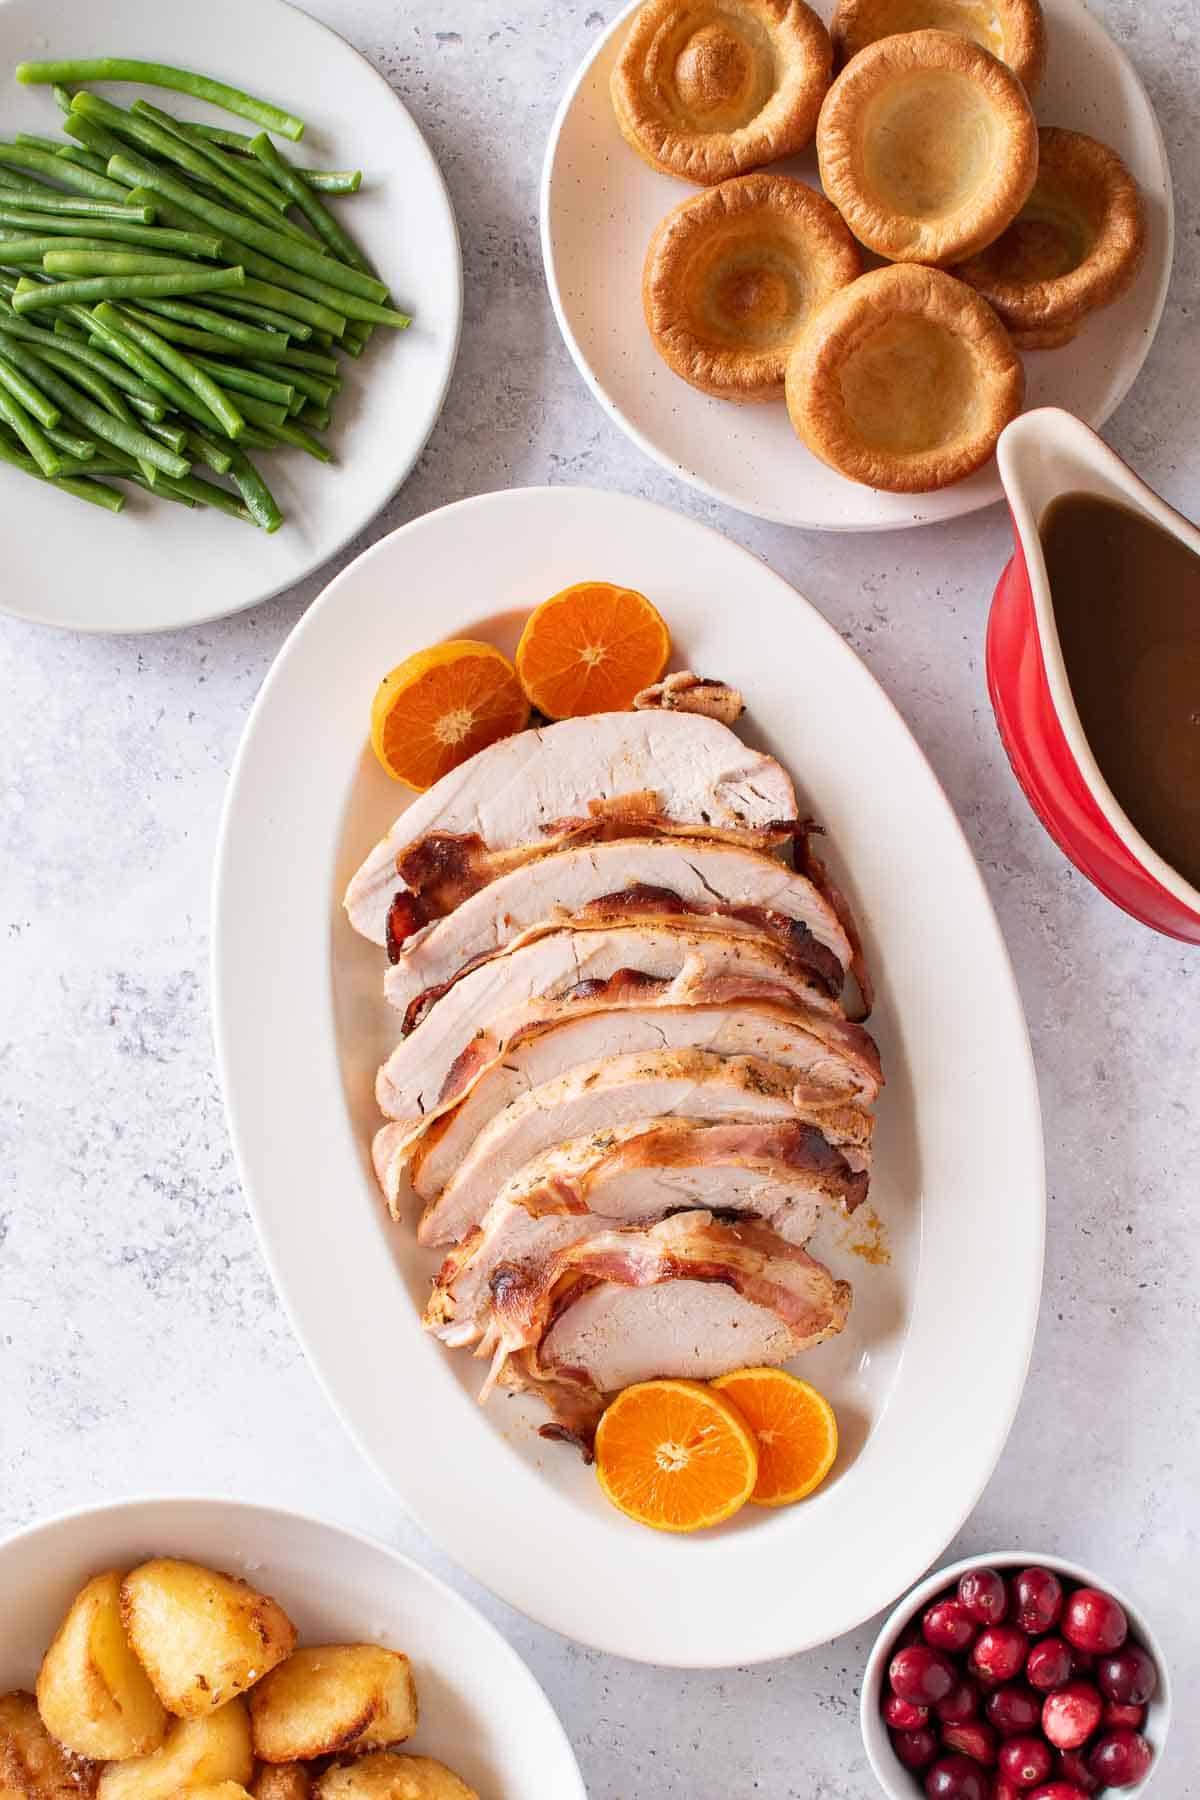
point(672, 771)
point(781, 1173)
point(608, 967)
point(822, 1051)
point(651, 877)
point(601, 1096)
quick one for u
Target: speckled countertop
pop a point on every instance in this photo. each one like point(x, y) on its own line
point(141, 1345)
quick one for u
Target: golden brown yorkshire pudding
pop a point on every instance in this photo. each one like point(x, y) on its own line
point(709, 88)
point(928, 147)
point(1076, 245)
point(904, 380)
point(733, 274)
point(1013, 30)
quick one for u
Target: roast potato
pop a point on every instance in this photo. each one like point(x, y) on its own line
point(385, 1776)
point(333, 1698)
point(219, 1790)
point(202, 1637)
point(281, 1781)
point(196, 1753)
point(32, 1765)
point(92, 1692)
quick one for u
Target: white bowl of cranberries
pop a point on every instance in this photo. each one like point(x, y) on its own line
point(1013, 1677)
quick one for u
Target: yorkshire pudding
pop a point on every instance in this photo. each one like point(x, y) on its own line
point(733, 274)
point(708, 88)
point(1076, 245)
point(904, 380)
point(928, 147)
point(1013, 30)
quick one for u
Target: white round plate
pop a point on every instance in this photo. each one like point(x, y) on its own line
point(926, 1376)
point(601, 202)
point(156, 566)
point(482, 1712)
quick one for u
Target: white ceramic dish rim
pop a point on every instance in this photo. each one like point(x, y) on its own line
point(895, 1780)
point(293, 1276)
point(650, 449)
point(446, 1596)
point(1076, 442)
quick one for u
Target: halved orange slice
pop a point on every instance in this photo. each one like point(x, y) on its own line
point(591, 649)
point(675, 1455)
point(794, 1427)
point(441, 706)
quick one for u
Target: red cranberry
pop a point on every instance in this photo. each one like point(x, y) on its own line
point(1037, 1601)
point(921, 1676)
point(902, 1715)
point(949, 1626)
point(1114, 1715)
point(978, 1741)
point(1049, 1665)
point(1071, 1766)
point(1129, 1677)
point(999, 1652)
point(1004, 1790)
point(1025, 1761)
point(1014, 1711)
point(1083, 1662)
point(1121, 1759)
point(915, 1749)
point(983, 1593)
point(1070, 1715)
point(956, 1778)
point(1094, 1622)
point(1058, 1790)
point(960, 1704)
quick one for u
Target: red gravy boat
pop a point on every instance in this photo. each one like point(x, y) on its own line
point(1042, 455)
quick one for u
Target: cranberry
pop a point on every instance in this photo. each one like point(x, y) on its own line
point(902, 1715)
point(1037, 1601)
point(1004, 1790)
point(949, 1626)
point(1025, 1761)
point(999, 1653)
point(1071, 1766)
point(1070, 1715)
point(978, 1741)
point(1014, 1710)
point(956, 1778)
point(1114, 1714)
point(1058, 1790)
point(1129, 1677)
point(1094, 1622)
point(1050, 1665)
point(915, 1749)
point(1082, 1661)
point(921, 1676)
point(983, 1593)
point(960, 1704)
point(1121, 1759)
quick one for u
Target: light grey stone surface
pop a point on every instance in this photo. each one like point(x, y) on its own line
point(141, 1346)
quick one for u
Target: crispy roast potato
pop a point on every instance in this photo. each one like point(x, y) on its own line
point(196, 1753)
point(32, 1765)
point(333, 1698)
point(385, 1776)
point(92, 1692)
point(219, 1790)
point(202, 1637)
point(281, 1781)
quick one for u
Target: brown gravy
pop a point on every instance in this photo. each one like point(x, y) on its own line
point(1126, 601)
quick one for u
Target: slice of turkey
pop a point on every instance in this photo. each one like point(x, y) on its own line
point(686, 1297)
point(780, 1173)
point(821, 1050)
point(600, 1096)
point(433, 1066)
point(652, 876)
point(530, 792)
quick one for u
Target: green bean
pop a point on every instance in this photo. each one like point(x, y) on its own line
point(29, 140)
point(113, 429)
point(78, 208)
point(62, 97)
point(242, 174)
point(306, 359)
point(246, 380)
point(102, 259)
point(124, 287)
point(95, 491)
point(87, 132)
point(183, 335)
point(63, 330)
point(25, 184)
point(83, 159)
point(260, 502)
point(311, 386)
point(207, 493)
point(161, 488)
point(206, 390)
point(300, 439)
point(30, 432)
point(286, 301)
point(262, 412)
point(19, 251)
point(85, 379)
point(187, 243)
point(160, 379)
point(164, 75)
point(248, 337)
point(153, 414)
point(329, 181)
point(318, 215)
point(265, 316)
point(313, 416)
point(27, 395)
point(82, 449)
point(86, 355)
point(206, 450)
point(170, 435)
point(100, 187)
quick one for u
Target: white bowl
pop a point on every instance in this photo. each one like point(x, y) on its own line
point(900, 1783)
point(482, 1712)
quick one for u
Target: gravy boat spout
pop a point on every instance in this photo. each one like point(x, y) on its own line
point(1042, 455)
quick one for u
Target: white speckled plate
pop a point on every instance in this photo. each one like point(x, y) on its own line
point(600, 204)
point(927, 1375)
point(156, 566)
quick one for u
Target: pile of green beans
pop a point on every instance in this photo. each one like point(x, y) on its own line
point(172, 295)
